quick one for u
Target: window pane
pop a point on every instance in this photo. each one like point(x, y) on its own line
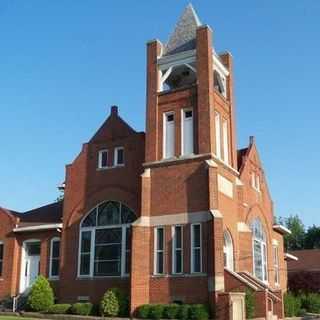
point(120, 156)
point(0, 267)
point(109, 252)
point(258, 260)
point(160, 262)
point(196, 236)
point(178, 236)
point(104, 158)
point(55, 249)
point(178, 261)
point(1, 251)
point(109, 213)
point(109, 236)
point(33, 249)
point(196, 260)
point(128, 238)
point(128, 262)
point(127, 215)
point(159, 239)
point(85, 264)
point(107, 268)
point(54, 267)
point(86, 241)
point(90, 220)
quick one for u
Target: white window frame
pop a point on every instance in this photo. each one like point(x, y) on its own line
point(115, 163)
point(217, 123)
point(164, 129)
point(100, 155)
point(225, 138)
point(55, 239)
point(228, 250)
point(193, 248)
point(175, 249)
point(183, 119)
point(156, 251)
point(255, 181)
point(276, 265)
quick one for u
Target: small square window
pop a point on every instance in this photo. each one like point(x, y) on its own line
point(103, 159)
point(119, 156)
point(170, 117)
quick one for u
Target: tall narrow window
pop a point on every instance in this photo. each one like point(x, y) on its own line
point(218, 134)
point(187, 132)
point(119, 156)
point(54, 257)
point(103, 159)
point(276, 265)
point(85, 253)
point(228, 251)
point(225, 141)
point(169, 136)
point(1, 258)
point(159, 250)
point(196, 254)
point(177, 249)
point(127, 254)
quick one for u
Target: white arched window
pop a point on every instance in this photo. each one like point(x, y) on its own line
point(105, 235)
point(259, 246)
point(228, 251)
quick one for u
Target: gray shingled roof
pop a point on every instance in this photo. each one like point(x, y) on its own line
point(184, 36)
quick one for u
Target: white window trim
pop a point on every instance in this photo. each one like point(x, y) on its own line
point(183, 114)
point(164, 138)
point(115, 162)
point(228, 250)
point(217, 124)
point(276, 264)
point(174, 249)
point(55, 239)
point(255, 181)
point(156, 251)
point(225, 140)
point(100, 166)
point(192, 247)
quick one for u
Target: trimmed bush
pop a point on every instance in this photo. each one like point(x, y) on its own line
point(171, 311)
point(156, 311)
point(250, 304)
point(198, 312)
point(82, 308)
point(144, 311)
point(292, 305)
point(60, 308)
point(41, 296)
point(183, 313)
point(311, 302)
point(109, 305)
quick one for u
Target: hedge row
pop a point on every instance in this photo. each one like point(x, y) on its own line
point(173, 311)
point(298, 305)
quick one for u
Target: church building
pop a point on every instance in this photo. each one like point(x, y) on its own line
point(173, 214)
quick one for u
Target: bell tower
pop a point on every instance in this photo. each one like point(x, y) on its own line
point(189, 96)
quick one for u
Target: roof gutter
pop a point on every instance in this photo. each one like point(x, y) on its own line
point(289, 256)
point(281, 229)
point(39, 227)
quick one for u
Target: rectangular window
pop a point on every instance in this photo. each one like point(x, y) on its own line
point(85, 253)
point(103, 159)
point(159, 250)
point(168, 136)
point(187, 132)
point(107, 259)
point(128, 245)
point(276, 264)
point(217, 121)
point(1, 258)
point(196, 251)
point(54, 258)
point(177, 249)
point(119, 156)
point(225, 141)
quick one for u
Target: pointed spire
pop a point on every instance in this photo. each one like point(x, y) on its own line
point(184, 36)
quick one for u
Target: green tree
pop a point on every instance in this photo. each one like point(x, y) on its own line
point(295, 240)
point(312, 238)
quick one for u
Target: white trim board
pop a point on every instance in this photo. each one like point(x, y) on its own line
point(39, 227)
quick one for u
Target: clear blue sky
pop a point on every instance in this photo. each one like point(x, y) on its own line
point(63, 63)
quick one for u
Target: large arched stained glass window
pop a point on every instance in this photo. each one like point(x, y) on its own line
point(259, 250)
point(105, 237)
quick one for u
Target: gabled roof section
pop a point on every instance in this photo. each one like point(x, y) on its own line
point(183, 37)
point(114, 127)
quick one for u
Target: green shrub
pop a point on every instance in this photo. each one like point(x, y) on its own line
point(171, 311)
point(82, 308)
point(109, 305)
point(183, 313)
point(292, 305)
point(59, 308)
point(41, 296)
point(198, 312)
point(250, 304)
point(156, 311)
point(311, 302)
point(144, 311)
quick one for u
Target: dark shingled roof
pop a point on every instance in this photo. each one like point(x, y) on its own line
point(308, 260)
point(184, 36)
point(51, 213)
